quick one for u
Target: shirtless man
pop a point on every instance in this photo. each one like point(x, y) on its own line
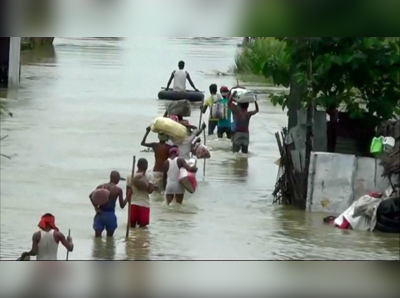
point(45, 241)
point(172, 166)
point(105, 214)
point(241, 117)
point(161, 150)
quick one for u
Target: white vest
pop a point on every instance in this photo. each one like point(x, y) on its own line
point(180, 80)
point(48, 247)
point(173, 171)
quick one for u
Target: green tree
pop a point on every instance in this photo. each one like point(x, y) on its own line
point(359, 74)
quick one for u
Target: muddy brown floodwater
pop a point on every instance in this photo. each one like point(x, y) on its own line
point(81, 111)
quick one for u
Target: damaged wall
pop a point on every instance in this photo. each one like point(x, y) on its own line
point(336, 180)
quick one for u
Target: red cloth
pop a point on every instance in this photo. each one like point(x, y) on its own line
point(184, 122)
point(174, 117)
point(345, 225)
point(47, 220)
point(174, 150)
point(224, 89)
point(140, 216)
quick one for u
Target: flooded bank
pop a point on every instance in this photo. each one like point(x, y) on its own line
point(81, 111)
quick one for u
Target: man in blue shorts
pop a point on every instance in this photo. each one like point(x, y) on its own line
point(105, 218)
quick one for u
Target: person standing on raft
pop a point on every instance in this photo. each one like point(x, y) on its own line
point(105, 214)
point(45, 241)
point(140, 199)
point(161, 151)
point(180, 76)
point(173, 189)
point(241, 117)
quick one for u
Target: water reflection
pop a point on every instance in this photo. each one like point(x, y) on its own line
point(45, 54)
point(138, 245)
point(104, 249)
point(240, 166)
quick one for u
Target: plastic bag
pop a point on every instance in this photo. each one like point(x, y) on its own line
point(243, 96)
point(181, 107)
point(201, 151)
point(388, 144)
point(377, 145)
point(219, 111)
point(187, 180)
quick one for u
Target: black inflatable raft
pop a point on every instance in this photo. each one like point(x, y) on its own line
point(174, 95)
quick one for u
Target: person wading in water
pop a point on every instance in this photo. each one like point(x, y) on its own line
point(140, 199)
point(105, 214)
point(180, 76)
point(212, 123)
point(241, 116)
point(45, 241)
point(161, 150)
point(172, 166)
point(225, 125)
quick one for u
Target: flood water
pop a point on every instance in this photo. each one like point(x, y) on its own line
point(81, 112)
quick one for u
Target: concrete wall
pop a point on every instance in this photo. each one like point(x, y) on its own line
point(336, 180)
point(14, 63)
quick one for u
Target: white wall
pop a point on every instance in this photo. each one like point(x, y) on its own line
point(14, 64)
point(336, 180)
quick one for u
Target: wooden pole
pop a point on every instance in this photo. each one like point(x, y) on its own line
point(310, 122)
point(201, 114)
point(205, 160)
point(128, 224)
point(69, 235)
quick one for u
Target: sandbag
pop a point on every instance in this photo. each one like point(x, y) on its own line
point(176, 131)
point(140, 182)
point(187, 180)
point(219, 111)
point(181, 107)
point(100, 197)
point(243, 96)
point(201, 151)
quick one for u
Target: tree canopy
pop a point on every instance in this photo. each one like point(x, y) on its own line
point(359, 74)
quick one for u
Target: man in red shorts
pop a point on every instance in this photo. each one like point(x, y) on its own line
point(140, 200)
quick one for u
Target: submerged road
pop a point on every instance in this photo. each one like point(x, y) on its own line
point(82, 110)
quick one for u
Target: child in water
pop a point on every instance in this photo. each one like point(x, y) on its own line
point(140, 200)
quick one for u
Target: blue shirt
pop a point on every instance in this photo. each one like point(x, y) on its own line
point(225, 122)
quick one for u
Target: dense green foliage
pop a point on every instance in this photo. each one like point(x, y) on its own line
point(358, 74)
point(252, 57)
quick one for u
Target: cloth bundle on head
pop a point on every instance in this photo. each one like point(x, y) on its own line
point(47, 220)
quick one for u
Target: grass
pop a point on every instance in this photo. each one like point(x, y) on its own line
point(250, 61)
